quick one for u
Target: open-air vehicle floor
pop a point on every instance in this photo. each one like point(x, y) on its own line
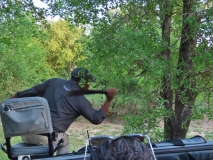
point(31, 115)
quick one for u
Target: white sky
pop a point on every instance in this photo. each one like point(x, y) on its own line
point(40, 4)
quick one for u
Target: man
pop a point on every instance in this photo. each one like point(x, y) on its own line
point(64, 108)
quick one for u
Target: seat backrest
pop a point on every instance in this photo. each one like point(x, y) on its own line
point(22, 116)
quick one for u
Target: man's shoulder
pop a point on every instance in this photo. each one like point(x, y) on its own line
point(58, 79)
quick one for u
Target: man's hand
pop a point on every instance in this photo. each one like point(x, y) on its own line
point(111, 92)
point(85, 87)
point(14, 96)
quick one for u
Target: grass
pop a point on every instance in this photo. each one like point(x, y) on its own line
point(2, 140)
point(78, 132)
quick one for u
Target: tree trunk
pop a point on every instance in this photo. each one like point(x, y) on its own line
point(177, 125)
point(167, 93)
point(185, 96)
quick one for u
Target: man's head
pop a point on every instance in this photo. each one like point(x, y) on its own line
point(122, 148)
point(82, 76)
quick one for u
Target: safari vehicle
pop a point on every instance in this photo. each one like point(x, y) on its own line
point(31, 115)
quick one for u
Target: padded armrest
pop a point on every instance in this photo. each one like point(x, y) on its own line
point(181, 142)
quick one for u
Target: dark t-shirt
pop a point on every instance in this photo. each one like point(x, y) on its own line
point(64, 108)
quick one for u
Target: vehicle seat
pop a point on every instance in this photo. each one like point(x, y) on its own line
point(23, 116)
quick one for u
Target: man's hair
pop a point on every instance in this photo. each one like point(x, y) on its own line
point(122, 148)
point(80, 74)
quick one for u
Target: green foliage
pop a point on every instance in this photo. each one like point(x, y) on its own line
point(126, 49)
point(10, 9)
point(122, 53)
point(147, 123)
point(14, 140)
point(203, 107)
point(63, 46)
point(82, 11)
point(23, 60)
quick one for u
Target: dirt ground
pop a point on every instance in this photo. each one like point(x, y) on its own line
point(113, 126)
point(201, 127)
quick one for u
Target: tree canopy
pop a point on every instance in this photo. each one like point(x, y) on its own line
point(63, 46)
point(32, 49)
point(159, 49)
point(23, 60)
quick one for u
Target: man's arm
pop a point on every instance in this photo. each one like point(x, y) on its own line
point(109, 97)
point(95, 116)
point(37, 90)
